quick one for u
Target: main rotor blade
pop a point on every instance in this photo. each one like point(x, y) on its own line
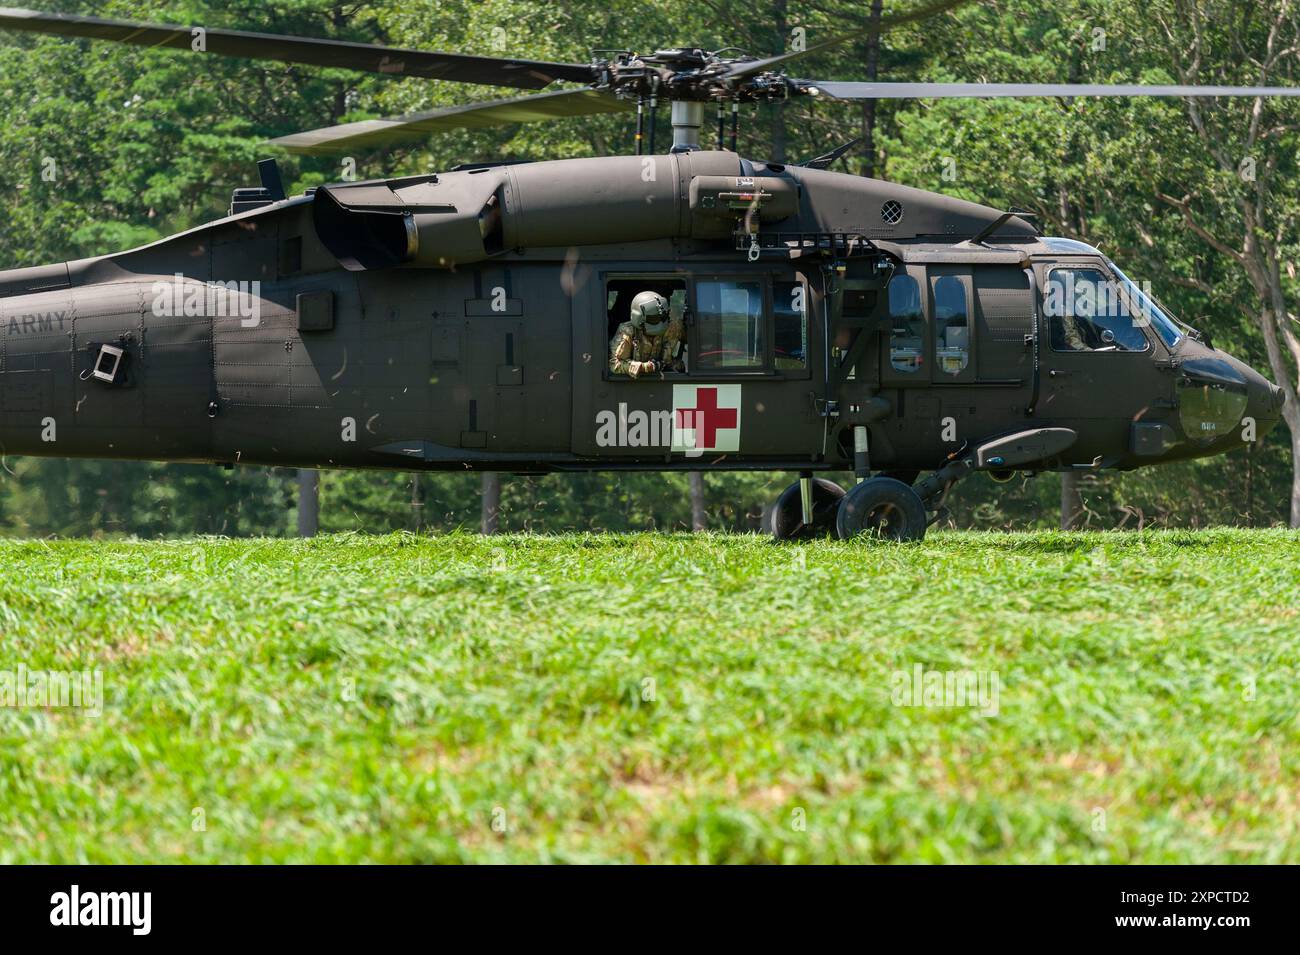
point(750, 67)
point(393, 61)
point(840, 90)
point(416, 126)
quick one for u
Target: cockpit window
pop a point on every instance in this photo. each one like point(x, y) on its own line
point(1057, 244)
point(1143, 304)
point(1149, 309)
point(1088, 312)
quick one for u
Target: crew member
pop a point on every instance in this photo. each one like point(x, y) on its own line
point(649, 341)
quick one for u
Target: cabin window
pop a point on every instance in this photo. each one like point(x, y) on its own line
point(951, 325)
point(1086, 311)
point(907, 335)
point(619, 293)
point(790, 314)
point(728, 328)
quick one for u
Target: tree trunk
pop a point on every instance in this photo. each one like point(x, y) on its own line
point(491, 502)
point(699, 519)
point(869, 105)
point(1071, 500)
point(1295, 475)
point(1290, 386)
point(417, 503)
point(308, 502)
point(1268, 284)
point(1250, 485)
point(778, 109)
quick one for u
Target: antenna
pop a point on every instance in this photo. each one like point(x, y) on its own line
point(824, 161)
point(989, 229)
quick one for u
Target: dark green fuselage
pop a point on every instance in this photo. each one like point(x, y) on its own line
point(463, 321)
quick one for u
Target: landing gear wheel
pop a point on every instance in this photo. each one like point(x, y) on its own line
point(882, 508)
point(787, 513)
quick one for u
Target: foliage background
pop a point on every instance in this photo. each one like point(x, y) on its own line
point(149, 142)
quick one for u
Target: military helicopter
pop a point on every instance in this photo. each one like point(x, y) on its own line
point(463, 320)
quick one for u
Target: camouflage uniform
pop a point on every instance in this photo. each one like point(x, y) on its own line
point(631, 347)
point(1072, 333)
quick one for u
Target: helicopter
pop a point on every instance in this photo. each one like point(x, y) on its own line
point(462, 320)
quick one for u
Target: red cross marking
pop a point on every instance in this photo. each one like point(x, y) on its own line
point(706, 417)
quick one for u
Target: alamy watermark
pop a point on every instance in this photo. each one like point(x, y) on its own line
point(976, 689)
point(133, 910)
point(242, 300)
point(674, 430)
point(1069, 297)
point(39, 689)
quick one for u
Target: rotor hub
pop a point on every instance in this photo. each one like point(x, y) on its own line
point(689, 74)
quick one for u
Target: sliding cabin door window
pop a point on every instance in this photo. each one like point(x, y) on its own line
point(730, 325)
point(790, 325)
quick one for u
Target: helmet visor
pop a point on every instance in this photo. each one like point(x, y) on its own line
point(656, 317)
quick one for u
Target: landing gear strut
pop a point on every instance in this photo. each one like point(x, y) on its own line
point(881, 507)
point(887, 507)
point(933, 489)
point(894, 504)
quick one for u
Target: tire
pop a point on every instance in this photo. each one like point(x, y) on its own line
point(882, 508)
point(786, 522)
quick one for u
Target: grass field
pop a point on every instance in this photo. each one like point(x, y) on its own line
point(656, 698)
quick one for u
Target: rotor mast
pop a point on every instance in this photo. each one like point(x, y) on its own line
point(687, 118)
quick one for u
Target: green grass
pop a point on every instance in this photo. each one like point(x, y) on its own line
point(386, 699)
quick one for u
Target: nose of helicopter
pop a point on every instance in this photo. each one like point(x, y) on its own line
point(1264, 399)
point(1220, 396)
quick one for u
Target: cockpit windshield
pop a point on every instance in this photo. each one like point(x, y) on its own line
point(1146, 306)
point(1141, 303)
